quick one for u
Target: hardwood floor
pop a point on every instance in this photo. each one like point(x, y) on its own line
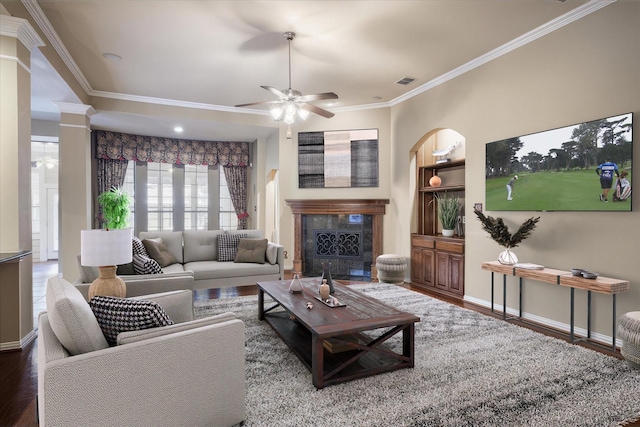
point(18, 369)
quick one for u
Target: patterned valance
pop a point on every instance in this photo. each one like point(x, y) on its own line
point(124, 146)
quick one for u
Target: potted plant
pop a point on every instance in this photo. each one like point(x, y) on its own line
point(499, 232)
point(448, 211)
point(115, 208)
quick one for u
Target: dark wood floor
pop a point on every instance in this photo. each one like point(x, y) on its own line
point(18, 369)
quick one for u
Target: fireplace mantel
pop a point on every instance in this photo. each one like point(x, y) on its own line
point(374, 207)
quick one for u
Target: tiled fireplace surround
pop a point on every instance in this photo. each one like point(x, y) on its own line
point(346, 233)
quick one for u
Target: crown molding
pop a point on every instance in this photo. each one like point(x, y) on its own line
point(541, 31)
point(38, 15)
point(555, 24)
point(20, 29)
point(71, 108)
point(176, 103)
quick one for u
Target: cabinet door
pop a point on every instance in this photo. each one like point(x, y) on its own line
point(422, 266)
point(428, 257)
point(456, 274)
point(417, 270)
point(442, 270)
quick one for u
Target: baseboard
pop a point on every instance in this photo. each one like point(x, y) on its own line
point(19, 345)
point(605, 340)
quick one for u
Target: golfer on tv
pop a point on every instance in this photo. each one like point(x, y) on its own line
point(511, 186)
point(605, 171)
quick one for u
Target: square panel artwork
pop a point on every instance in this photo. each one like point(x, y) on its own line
point(338, 159)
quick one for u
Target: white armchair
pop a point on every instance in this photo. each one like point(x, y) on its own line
point(187, 374)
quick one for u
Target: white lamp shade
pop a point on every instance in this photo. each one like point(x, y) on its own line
point(105, 247)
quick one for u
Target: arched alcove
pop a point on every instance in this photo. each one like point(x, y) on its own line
point(421, 154)
point(437, 261)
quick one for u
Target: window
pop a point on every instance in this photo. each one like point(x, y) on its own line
point(35, 201)
point(196, 197)
point(129, 187)
point(228, 218)
point(159, 197)
point(179, 197)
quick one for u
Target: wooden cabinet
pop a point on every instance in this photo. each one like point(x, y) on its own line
point(437, 262)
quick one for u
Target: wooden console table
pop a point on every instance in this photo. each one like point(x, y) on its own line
point(604, 285)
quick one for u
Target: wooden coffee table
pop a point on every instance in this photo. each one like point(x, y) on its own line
point(331, 341)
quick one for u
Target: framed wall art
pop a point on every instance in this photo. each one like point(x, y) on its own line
point(338, 159)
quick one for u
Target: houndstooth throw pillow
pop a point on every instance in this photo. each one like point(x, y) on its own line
point(117, 315)
point(138, 247)
point(228, 246)
point(145, 265)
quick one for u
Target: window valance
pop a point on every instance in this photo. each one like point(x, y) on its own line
point(123, 146)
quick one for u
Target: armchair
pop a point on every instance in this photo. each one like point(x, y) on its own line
point(190, 373)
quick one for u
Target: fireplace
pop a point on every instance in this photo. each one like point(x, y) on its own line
point(347, 233)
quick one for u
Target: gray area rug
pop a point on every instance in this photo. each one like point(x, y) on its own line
point(470, 370)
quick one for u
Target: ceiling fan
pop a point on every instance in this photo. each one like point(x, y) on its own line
point(292, 104)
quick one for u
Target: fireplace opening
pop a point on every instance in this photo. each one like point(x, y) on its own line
point(344, 240)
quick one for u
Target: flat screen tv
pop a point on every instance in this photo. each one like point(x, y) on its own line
point(563, 169)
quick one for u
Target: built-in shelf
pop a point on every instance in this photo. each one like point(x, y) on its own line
point(437, 262)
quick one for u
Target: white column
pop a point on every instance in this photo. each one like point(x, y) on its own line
point(17, 39)
point(74, 183)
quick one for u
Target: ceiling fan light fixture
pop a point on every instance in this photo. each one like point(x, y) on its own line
point(292, 104)
point(289, 119)
point(276, 113)
point(303, 114)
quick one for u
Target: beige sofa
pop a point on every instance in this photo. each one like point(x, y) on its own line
point(191, 373)
point(197, 256)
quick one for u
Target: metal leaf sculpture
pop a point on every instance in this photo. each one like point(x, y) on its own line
point(499, 231)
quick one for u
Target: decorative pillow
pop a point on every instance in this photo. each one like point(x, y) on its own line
point(138, 247)
point(71, 318)
point(145, 265)
point(251, 250)
point(158, 251)
point(228, 246)
point(117, 315)
point(272, 254)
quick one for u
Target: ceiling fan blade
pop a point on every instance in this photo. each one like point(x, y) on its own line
point(258, 103)
point(318, 97)
point(317, 110)
point(275, 91)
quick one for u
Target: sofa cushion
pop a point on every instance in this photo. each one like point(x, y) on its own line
point(205, 270)
point(251, 250)
point(145, 265)
point(158, 251)
point(173, 240)
point(228, 246)
point(201, 245)
point(173, 268)
point(117, 315)
point(71, 318)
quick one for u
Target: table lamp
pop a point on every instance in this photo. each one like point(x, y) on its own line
point(106, 249)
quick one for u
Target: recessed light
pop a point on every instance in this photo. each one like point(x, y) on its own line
point(112, 56)
point(178, 129)
point(377, 98)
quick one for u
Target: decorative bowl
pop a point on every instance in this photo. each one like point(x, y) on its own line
point(589, 275)
point(577, 271)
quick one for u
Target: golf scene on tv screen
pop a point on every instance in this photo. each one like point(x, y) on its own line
point(582, 167)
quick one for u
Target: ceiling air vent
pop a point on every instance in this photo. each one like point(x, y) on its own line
point(406, 80)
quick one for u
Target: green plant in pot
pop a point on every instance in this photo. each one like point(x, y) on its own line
point(448, 212)
point(115, 208)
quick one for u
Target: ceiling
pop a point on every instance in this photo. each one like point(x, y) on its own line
point(212, 55)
